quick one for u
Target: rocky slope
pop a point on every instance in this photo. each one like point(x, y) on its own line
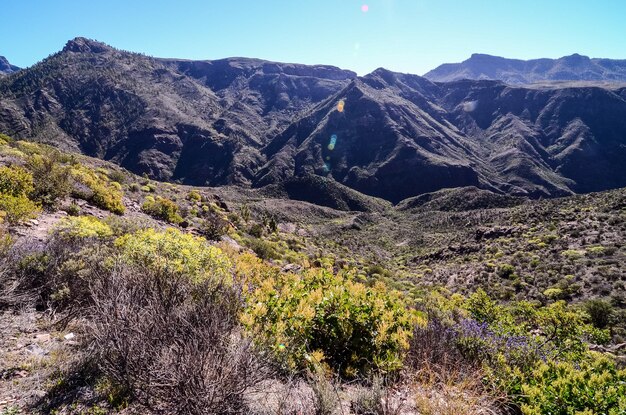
point(516, 72)
point(257, 123)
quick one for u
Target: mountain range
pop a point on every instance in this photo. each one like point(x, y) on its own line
point(518, 72)
point(255, 123)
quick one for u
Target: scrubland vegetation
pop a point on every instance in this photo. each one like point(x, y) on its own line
point(182, 304)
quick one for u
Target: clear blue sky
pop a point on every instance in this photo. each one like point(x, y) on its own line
point(402, 35)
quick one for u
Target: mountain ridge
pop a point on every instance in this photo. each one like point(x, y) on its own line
point(255, 123)
point(574, 67)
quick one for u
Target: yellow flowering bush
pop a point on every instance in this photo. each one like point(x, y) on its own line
point(16, 184)
point(325, 318)
point(172, 251)
point(162, 208)
point(104, 193)
point(83, 227)
point(594, 386)
point(15, 181)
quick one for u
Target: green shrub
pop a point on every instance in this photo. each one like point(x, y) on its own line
point(173, 251)
point(117, 176)
point(245, 213)
point(73, 209)
point(482, 308)
point(264, 249)
point(162, 208)
point(257, 230)
point(554, 293)
point(600, 312)
point(213, 227)
point(595, 386)
point(596, 251)
point(506, 271)
point(51, 180)
point(320, 317)
point(572, 253)
point(194, 196)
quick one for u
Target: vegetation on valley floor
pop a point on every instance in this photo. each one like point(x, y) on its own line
point(170, 320)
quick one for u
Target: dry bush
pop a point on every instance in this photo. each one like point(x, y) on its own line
point(445, 382)
point(172, 344)
point(455, 398)
point(21, 275)
point(377, 399)
point(326, 398)
point(435, 346)
point(291, 396)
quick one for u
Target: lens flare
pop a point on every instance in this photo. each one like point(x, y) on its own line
point(333, 141)
point(365, 8)
point(470, 106)
point(340, 105)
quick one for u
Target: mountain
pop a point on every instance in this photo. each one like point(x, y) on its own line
point(401, 135)
point(6, 67)
point(518, 72)
point(256, 123)
point(200, 122)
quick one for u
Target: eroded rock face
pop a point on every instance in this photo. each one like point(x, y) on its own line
point(256, 123)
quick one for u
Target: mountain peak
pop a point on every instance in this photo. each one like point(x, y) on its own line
point(6, 67)
point(482, 56)
point(84, 45)
point(576, 58)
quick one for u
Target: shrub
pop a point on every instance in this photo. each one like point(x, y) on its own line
point(162, 208)
point(213, 227)
point(506, 271)
point(173, 344)
point(600, 312)
point(51, 180)
point(73, 209)
point(194, 196)
point(325, 397)
point(175, 252)
point(83, 227)
point(245, 213)
point(117, 176)
point(482, 308)
point(370, 400)
point(554, 293)
point(264, 249)
point(17, 208)
point(101, 193)
point(596, 386)
point(5, 139)
point(257, 230)
point(15, 181)
point(329, 319)
point(572, 253)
